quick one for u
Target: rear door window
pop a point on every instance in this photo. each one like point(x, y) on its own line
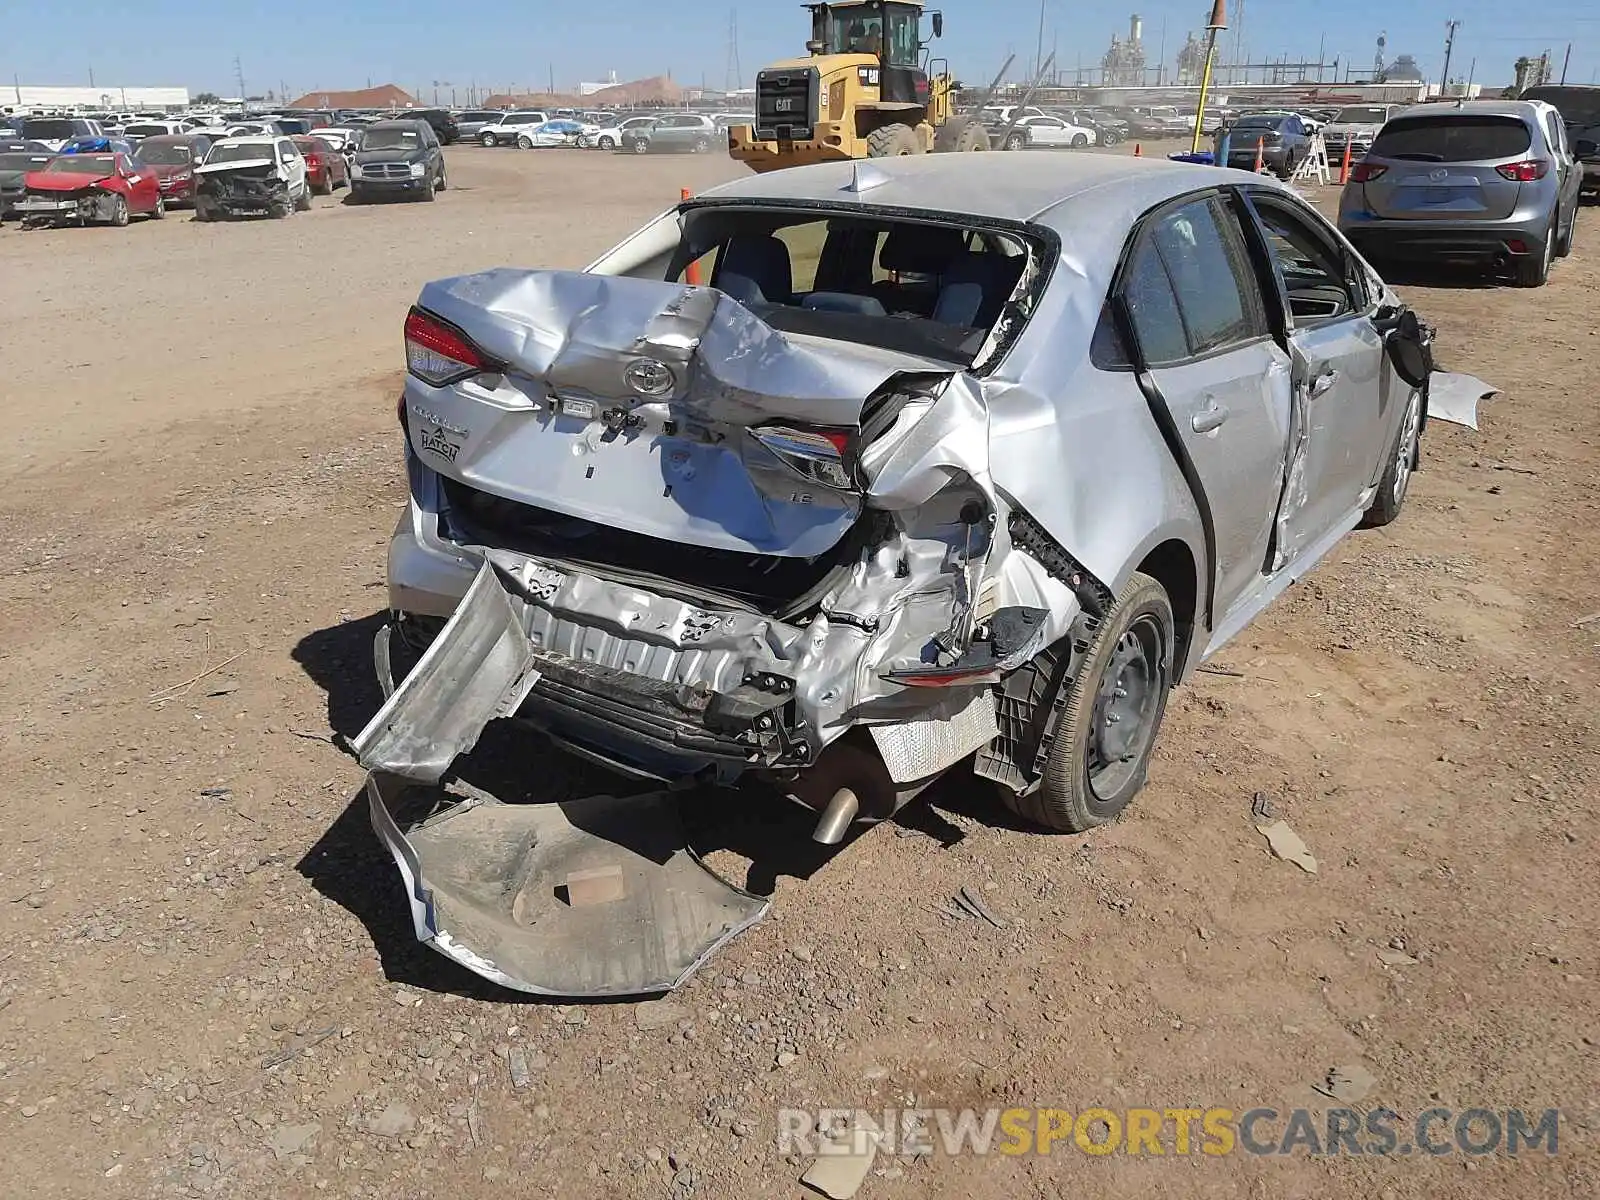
point(1453, 138)
point(1211, 275)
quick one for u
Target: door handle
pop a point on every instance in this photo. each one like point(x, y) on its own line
point(1209, 418)
point(1321, 383)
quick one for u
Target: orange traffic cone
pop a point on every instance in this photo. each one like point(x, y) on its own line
point(691, 273)
point(1138, 150)
point(1260, 156)
point(1344, 167)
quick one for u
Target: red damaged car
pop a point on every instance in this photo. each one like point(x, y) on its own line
point(172, 158)
point(89, 189)
point(326, 168)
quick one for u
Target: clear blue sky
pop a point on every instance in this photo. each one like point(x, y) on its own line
point(310, 44)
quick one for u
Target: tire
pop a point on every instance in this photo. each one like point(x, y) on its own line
point(444, 181)
point(1125, 677)
point(639, 146)
point(1110, 138)
point(325, 188)
point(160, 209)
point(524, 142)
point(960, 135)
point(1564, 244)
point(1017, 141)
point(1404, 455)
point(1532, 270)
point(1079, 141)
point(488, 141)
point(608, 143)
point(119, 211)
point(429, 193)
point(302, 202)
point(702, 145)
point(280, 209)
point(893, 141)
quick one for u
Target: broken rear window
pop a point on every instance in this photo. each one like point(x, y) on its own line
point(917, 287)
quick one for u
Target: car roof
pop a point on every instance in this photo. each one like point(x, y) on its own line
point(1008, 187)
point(397, 123)
point(1528, 110)
point(252, 139)
point(167, 139)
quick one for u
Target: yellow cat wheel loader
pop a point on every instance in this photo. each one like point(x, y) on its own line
point(868, 89)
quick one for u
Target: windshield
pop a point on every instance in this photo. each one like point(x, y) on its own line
point(392, 138)
point(84, 164)
point(239, 152)
point(1362, 114)
point(850, 31)
point(913, 287)
point(48, 129)
point(165, 154)
point(1578, 106)
point(1453, 138)
point(22, 162)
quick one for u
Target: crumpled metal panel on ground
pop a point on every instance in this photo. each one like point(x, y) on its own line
point(585, 898)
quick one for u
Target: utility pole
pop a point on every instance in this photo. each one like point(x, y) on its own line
point(91, 76)
point(238, 75)
point(552, 79)
point(1449, 45)
point(1566, 62)
point(1039, 53)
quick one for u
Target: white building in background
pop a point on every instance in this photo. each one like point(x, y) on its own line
point(589, 89)
point(25, 97)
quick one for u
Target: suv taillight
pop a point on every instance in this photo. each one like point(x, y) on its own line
point(1366, 172)
point(1526, 171)
point(437, 353)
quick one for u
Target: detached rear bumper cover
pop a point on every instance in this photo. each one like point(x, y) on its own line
point(594, 897)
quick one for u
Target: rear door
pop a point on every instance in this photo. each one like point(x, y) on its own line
point(1200, 321)
point(1345, 396)
point(1442, 166)
point(1046, 131)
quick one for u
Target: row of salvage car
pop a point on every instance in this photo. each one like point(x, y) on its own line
point(109, 181)
point(950, 462)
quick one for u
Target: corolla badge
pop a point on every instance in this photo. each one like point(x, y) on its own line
point(649, 377)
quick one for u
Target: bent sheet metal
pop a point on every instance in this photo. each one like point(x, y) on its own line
point(592, 897)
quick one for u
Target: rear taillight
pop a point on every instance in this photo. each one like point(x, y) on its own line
point(1366, 172)
point(820, 455)
point(1525, 171)
point(437, 353)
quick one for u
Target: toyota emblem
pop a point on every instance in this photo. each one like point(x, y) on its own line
point(649, 377)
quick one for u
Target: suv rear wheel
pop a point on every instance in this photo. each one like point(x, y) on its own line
point(1533, 270)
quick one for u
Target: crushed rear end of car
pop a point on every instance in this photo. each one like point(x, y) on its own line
point(696, 549)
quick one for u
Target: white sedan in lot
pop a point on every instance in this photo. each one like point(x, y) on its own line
point(1048, 132)
point(610, 137)
point(560, 132)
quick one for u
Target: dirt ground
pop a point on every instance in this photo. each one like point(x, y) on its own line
point(208, 980)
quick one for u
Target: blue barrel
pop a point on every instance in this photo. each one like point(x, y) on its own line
point(1202, 158)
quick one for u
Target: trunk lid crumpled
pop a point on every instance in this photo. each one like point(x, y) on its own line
point(617, 403)
point(565, 430)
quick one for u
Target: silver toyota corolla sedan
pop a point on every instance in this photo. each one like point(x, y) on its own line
point(940, 460)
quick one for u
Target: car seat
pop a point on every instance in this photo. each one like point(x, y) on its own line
point(976, 287)
point(755, 269)
point(924, 252)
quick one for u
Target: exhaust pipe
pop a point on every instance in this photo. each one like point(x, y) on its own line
point(836, 818)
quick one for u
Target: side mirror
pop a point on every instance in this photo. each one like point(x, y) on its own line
point(938, 24)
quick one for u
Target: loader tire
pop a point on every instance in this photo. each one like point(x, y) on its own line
point(893, 141)
point(960, 135)
point(1110, 715)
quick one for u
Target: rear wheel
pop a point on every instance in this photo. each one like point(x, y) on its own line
point(1533, 270)
point(893, 141)
point(524, 142)
point(1109, 718)
point(640, 146)
point(1017, 141)
point(1564, 243)
point(960, 135)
